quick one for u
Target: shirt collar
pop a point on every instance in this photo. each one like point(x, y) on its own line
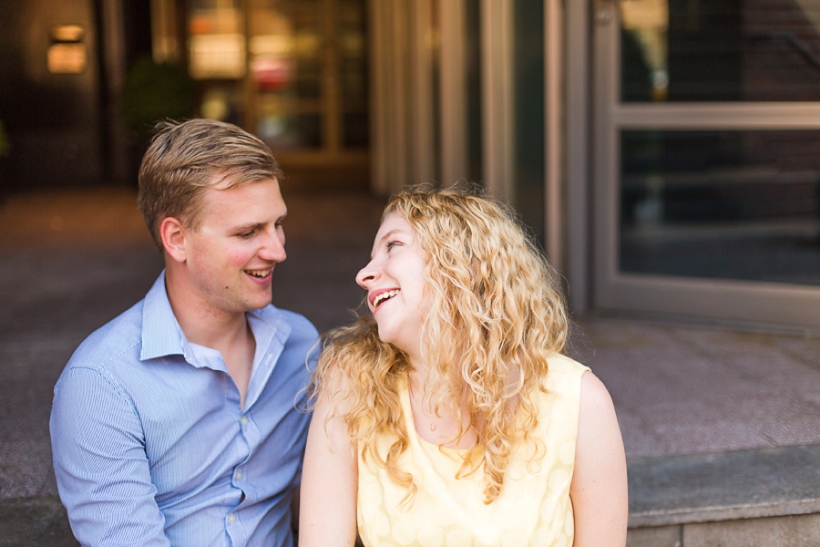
point(271, 331)
point(162, 335)
point(268, 326)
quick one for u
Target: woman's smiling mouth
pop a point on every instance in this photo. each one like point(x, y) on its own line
point(381, 296)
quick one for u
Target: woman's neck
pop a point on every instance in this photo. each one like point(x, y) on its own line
point(436, 421)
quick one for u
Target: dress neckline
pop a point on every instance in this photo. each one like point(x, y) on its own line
point(410, 425)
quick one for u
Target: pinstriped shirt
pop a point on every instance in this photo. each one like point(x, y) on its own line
point(151, 446)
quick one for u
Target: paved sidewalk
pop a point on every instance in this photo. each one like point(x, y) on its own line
point(684, 389)
point(69, 262)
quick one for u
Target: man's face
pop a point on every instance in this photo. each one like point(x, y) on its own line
point(231, 255)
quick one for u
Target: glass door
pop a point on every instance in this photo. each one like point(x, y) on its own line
point(707, 159)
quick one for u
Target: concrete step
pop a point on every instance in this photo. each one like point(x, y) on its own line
point(747, 498)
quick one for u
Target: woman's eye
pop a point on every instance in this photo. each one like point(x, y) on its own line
point(391, 244)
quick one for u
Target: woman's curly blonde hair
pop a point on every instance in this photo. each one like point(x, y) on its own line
point(495, 316)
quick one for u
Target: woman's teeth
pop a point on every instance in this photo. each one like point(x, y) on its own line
point(384, 296)
point(258, 273)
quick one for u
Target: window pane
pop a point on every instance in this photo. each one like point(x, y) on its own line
point(721, 204)
point(720, 50)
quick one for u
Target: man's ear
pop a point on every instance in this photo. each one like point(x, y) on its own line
point(172, 233)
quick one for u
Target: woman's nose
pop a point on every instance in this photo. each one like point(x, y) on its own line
point(367, 275)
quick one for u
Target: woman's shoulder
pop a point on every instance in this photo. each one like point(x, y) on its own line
point(562, 364)
point(562, 382)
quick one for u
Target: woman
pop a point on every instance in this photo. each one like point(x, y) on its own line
point(450, 416)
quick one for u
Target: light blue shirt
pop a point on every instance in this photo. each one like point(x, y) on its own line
point(151, 446)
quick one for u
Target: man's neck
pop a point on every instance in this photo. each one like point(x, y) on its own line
point(201, 322)
point(227, 332)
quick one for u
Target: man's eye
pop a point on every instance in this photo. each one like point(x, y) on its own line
point(245, 235)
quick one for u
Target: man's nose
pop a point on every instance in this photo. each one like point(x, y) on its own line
point(273, 248)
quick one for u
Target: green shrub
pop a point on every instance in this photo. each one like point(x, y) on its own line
point(155, 91)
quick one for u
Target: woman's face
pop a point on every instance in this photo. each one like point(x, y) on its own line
point(395, 284)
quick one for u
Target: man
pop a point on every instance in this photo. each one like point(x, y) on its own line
point(179, 422)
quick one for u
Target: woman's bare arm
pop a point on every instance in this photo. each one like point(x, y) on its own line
point(599, 485)
point(329, 483)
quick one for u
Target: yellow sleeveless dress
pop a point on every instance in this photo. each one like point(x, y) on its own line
point(533, 509)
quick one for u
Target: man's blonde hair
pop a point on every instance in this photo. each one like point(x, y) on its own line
point(186, 158)
point(496, 315)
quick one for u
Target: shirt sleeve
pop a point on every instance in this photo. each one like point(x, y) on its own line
point(102, 471)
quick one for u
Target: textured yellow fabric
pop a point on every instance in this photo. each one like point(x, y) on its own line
point(533, 509)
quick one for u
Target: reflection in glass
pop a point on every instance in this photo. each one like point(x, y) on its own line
point(216, 43)
point(308, 72)
point(217, 57)
point(720, 50)
point(644, 24)
point(721, 204)
point(292, 71)
point(285, 61)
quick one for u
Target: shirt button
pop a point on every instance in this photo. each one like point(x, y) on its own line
point(244, 420)
point(238, 474)
point(231, 518)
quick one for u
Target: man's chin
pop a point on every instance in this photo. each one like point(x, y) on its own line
point(261, 301)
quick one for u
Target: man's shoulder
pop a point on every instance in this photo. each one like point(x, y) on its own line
point(117, 340)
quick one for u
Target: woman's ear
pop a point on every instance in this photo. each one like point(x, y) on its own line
point(172, 234)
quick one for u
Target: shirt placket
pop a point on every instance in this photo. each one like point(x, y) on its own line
point(234, 525)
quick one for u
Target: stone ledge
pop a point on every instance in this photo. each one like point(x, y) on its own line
point(791, 531)
point(743, 484)
point(34, 521)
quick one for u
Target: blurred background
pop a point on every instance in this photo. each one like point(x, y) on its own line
point(663, 152)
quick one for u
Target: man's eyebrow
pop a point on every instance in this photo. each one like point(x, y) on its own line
point(256, 225)
point(248, 227)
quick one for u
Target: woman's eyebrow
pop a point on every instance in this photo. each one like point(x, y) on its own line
point(388, 234)
point(381, 239)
